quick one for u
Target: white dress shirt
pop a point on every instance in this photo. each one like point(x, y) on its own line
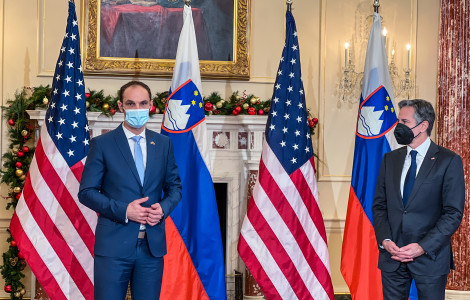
point(422, 150)
point(143, 146)
point(143, 143)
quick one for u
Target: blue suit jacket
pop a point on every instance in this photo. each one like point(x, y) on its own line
point(110, 182)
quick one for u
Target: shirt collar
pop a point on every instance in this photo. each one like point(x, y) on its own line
point(422, 149)
point(129, 134)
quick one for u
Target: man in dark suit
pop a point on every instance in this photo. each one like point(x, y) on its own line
point(131, 180)
point(418, 205)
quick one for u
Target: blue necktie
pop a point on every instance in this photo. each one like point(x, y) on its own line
point(139, 158)
point(410, 177)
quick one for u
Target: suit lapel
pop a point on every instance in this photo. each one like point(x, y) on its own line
point(426, 166)
point(397, 170)
point(123, 146)
point(152, 152)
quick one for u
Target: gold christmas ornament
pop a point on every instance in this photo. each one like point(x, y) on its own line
point(254, 100)
point(24, 132)
point(246, 105)
point(45, 101)
point(13, 261)
point(15, 149)
point(17, 294)
point(105, 106)
point(210, 113)
point(157, 110)
point(19, 172)
point(23, 177)
point(87, 104)
point(22, 291)
point(17, 189)
point(219, 104)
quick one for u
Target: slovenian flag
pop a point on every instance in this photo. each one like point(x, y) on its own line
point(374, 137)
point(194, 265)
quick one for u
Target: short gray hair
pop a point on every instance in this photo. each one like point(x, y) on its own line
point(423, 111)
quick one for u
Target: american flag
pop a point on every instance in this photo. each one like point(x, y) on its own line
point(283, 240)
point(54, 232)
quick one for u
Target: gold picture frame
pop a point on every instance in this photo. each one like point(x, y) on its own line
point(236, 67)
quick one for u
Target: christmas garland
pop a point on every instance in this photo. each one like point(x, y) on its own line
point(17, 159)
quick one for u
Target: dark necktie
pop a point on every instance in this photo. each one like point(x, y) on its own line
point(410, 177)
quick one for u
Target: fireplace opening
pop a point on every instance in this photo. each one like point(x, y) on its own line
point(221, 197)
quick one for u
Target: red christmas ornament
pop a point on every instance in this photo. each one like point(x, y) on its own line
point(87, 95)
point(13, 243)
point(260, 112)
point(315, 121)
point(208, 106)
point(234, 112)
point(20, 153)
point(310, 124)
point(20, 255)
point(238, 109)
point(153, 109)
point(18, 196)
point(112, 111)
point(11, 122)
point(18, 164)
point(23, 265)
point(7, 288)
point(25, 149)
point(251, 111)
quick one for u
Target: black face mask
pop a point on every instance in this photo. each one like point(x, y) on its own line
point(404, 134)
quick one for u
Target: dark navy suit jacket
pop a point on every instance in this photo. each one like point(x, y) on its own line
point(110, 182)
point(432, 214)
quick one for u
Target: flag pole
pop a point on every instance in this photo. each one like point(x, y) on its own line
point(289, 5)
point(376, 6)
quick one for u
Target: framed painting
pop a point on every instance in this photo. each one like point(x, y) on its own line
point(128, 37)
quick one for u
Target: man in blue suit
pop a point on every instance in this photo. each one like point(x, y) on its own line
point(131, 180)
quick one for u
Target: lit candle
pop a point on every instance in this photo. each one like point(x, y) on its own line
point(346, 54)
point(408, 56)
point(384, 33)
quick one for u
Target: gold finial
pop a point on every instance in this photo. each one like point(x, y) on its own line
point(187, 2)
point(376, 6)
point(289, 4)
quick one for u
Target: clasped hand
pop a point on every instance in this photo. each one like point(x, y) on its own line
point(404, 254)
point(144, 215)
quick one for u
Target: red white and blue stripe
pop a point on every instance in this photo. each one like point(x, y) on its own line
point(374, 137)
point(194, 265)
point(53, 230)
point(283, 240)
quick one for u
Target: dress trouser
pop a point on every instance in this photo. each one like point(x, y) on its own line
point(396, 285)
point(144, 271)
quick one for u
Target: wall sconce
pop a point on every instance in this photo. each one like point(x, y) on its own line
point(402, 84)
point(350, 85)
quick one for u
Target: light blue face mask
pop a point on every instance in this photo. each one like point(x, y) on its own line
point(137, 118)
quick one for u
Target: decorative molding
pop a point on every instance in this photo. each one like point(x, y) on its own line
point(457, 295)
point(335, 226)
